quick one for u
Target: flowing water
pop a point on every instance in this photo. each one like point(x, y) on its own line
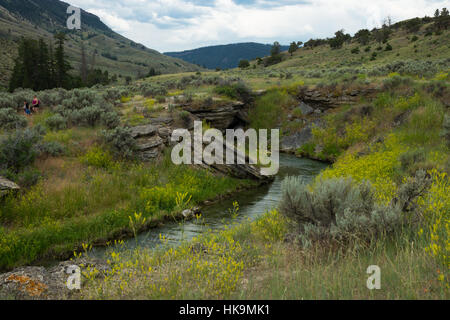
point(253, 203)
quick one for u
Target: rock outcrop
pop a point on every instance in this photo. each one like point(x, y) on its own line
point(152, 140)
point(305, 109)
point(323, 99)
point(7, 186)
point(39, 283)
point(223, 116)
point(241, 171)
point(295, 141)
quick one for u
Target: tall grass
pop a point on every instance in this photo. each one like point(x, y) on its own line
point(93, 201)
point(251, 261)
point(268, 110)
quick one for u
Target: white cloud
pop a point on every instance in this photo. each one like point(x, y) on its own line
point(174, 25)
point(118, 24)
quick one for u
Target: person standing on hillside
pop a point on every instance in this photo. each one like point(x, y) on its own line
point(26, 108)
point(35, 104)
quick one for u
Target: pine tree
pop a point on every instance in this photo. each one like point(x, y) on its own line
point(42, 78)
point(83, 68)
point(37, 68)
point(24, 71)
point(52, 68)
point(293, 47)
point(276, 49)
point(61, 65)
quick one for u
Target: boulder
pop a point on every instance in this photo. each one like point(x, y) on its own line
point(39, 283)
point(305, 109)
point(143, 131)
point(295, 141)
point(7, 186)
point(190, 213)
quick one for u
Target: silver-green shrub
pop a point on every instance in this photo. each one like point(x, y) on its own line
point(343, 210)
point(56, 122)
point(120, 142)
point(10, 119)
point(6, 101)
point(19, 149)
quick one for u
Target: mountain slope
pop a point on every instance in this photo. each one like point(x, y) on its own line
point(105, 49)
point(224, 56)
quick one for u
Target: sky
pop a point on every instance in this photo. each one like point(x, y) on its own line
point(177, 25)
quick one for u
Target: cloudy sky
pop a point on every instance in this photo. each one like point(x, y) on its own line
point(176, 25)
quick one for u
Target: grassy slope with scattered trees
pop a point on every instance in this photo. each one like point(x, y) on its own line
point(105, 49)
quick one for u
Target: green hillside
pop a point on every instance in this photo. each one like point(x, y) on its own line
point(224, 56)
point(113, 52)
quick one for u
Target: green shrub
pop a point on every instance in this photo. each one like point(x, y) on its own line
point(243, 64)
point(112, 94)
point(410, 159)
point(86, 107)
point(235, 91)
point(18, 150)
point(51, 148)
point(56, 122)
point(342, 210)
point(152, 90)
point(308, 149)
point(98, 158)
point(9, 119)
point(53, 97)
point(110, 119)
point(268, 109)
point(396, 81)
point(120, 141)
point(185, 116)
point(421, 68)
point(21, 95)
point(161, 99)
point(28, 178)
point(6, 101)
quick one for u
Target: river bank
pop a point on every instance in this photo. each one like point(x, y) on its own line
point(90, 197)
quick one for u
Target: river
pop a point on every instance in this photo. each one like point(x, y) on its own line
point(253, 203)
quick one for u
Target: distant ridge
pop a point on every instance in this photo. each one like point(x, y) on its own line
point(113, 52)
point(224, 56)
